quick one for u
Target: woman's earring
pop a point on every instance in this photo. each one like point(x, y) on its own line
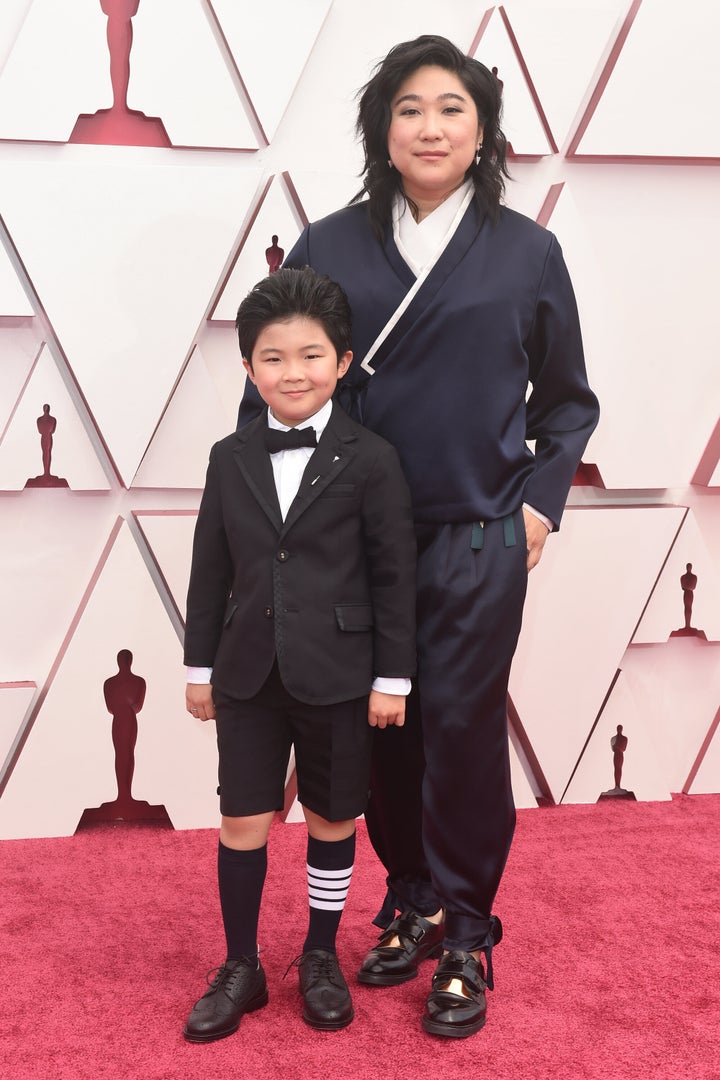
point(390, 164)
point(477, 156)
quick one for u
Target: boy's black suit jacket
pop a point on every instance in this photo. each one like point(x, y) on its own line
point(330, 591)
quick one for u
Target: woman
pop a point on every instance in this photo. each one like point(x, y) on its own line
point(458, 303)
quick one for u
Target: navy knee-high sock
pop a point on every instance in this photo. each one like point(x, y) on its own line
point(241, 876)
point(329, 869)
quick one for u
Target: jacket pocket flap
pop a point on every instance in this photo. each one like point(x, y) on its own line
point(354, 616)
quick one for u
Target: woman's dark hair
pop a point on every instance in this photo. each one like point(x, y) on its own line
point(381, 182)
point(295, 293)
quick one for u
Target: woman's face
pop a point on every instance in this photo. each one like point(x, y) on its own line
point(434, 134)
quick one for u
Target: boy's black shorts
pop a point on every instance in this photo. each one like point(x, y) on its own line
point(332, 753)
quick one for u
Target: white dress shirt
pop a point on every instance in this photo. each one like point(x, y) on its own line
point(288, 467)
point(418, 241)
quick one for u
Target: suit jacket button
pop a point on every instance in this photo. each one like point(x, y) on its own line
point(283, 555)
point(268, 613)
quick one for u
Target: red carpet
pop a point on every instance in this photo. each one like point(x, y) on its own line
point(609, 968)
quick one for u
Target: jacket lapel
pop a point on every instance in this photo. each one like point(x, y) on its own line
point(334, 452)
point(254, 463)
point(463, 238)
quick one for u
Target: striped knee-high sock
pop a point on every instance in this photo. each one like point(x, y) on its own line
point(329, 870)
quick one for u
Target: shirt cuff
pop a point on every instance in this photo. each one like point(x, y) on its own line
point(549, 525)
point(199, 674)
point(384, 685)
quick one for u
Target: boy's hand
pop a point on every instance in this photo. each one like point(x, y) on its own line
point(199, 700)
point(384, 709)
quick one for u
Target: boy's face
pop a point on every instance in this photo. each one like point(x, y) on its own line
point(295, 368)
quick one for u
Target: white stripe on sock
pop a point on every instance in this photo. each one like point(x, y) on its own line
point(328, 889)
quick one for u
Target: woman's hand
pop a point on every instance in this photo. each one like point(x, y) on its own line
point(199, 700)
point(536, 533)
point(386, 709)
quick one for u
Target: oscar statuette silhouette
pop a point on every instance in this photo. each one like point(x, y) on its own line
point(688, 584)
point(46, 425)
point(618, 744)
point(124, 697)
point(119, 125)
point(274, 256)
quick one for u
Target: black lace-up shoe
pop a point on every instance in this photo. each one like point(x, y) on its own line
point(239, 987)
point(326, 998)
point(388, 965)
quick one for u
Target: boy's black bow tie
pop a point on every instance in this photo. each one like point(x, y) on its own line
point(275, 440)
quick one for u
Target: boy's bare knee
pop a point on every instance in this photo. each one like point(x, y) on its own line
point(329, 831)
point(246, 833)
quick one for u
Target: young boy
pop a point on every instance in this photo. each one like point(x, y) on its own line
point(300, 630)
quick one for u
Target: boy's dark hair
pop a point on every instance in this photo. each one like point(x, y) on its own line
point(288, 294)
point(380, 181)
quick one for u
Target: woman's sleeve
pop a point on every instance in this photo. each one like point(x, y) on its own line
point(391, 552)
point(562, 410)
